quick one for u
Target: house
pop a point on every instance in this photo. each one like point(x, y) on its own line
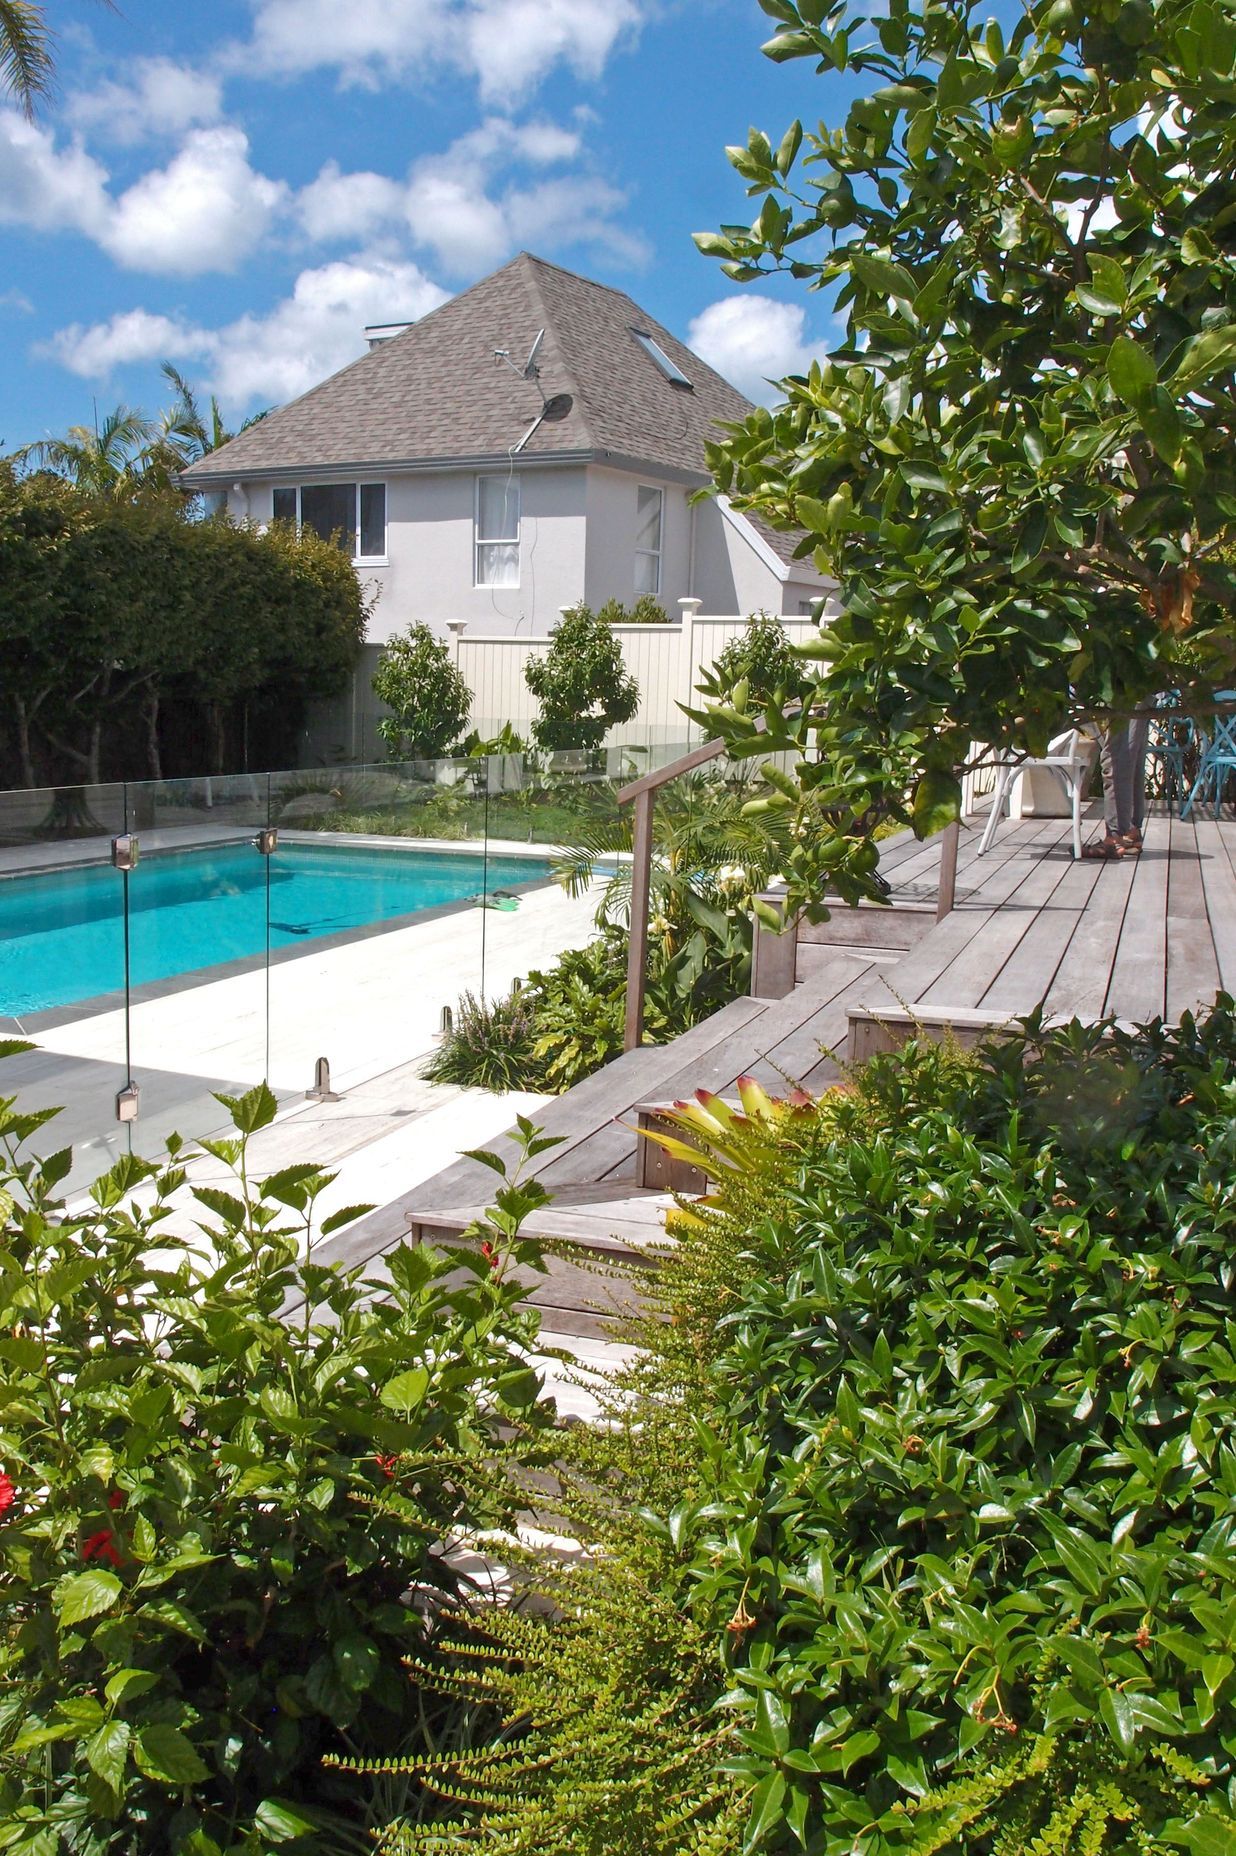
point(535, 441)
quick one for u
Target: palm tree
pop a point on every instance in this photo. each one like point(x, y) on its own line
point(27, 68)
point(183, 428)
point(120, 458)
point(25, 53)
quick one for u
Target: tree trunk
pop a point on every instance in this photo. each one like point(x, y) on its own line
point(153, 758)
point(220, 730)
point(28, 778)
point(93, 757)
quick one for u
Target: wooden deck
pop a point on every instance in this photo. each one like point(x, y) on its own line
point(1151, 936)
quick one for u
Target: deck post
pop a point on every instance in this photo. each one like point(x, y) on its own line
point(948, 870)
point(637, 952)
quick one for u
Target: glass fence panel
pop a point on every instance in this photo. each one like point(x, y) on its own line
point(199, 934)
point(62, 968)
point(382, 928)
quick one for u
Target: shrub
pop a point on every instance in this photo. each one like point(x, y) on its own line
point(581, 683)
point(647, 610)
point(967, 1520)
point(490, 1045)
point(427, 694)
point(763, 658)
point(226, 1472)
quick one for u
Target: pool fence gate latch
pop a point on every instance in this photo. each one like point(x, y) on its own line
point(446, 1024)
point(321, 1091)
point(128, 1101)
point(267, 841)
point(125, 853)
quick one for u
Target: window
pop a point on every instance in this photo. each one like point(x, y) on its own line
point(647, 539)
point(354, 512)
point(655, 352)
point(497, 531)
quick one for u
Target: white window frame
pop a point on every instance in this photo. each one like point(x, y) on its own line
point(480, 541)
point(369, 483)
point(651, 554)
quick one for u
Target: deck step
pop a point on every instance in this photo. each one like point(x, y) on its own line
point(876, 1029)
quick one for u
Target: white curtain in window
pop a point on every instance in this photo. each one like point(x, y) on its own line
point(648, 540)
point(497, 531)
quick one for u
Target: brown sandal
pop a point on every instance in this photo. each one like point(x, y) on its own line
point(1105, 850)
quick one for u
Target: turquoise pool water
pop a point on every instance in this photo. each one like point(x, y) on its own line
point(62, 934)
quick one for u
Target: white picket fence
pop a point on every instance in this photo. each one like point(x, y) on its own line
point(665, 660)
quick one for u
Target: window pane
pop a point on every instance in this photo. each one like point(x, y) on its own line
point(373, 520)
point(497, 509)
point(648, 519)
point(648, 573)
point(285, 506)
point(497, 563)
point(329, 509)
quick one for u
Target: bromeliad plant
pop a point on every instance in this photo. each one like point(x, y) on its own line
point(226, 1474)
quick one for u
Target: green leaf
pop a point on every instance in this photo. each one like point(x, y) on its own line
point(256, 1109)
point(1213, 352)
point(766, 1811)
point(83, 1595)
point(347, 1214)
point(937, 801)
point(281, 1822)
point(406, 1391)
point(1210, 1835)
point(106, 1752)
point(162, 1752)
point(1130, 369)
point(1117, 1715)
point(128, 1682)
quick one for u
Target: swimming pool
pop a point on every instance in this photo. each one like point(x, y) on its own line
point(62, 933)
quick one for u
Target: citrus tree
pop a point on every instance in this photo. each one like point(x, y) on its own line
point(1019, 461)
point(425, 692)
point(582, 684)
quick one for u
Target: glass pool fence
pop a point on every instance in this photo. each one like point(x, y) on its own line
point(162, 942)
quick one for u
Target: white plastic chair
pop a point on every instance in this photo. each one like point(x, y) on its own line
point(1070, 757)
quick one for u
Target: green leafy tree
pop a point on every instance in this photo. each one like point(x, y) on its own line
point(426, 693)
point(1020, 465)
point(581, 683)
point(763, 658)
point(125, 457)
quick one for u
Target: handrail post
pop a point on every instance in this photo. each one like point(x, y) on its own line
point(948, 870)
point(641, 889)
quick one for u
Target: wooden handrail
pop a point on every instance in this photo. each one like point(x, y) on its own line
point(643, 792)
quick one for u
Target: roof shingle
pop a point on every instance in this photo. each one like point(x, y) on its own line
point(435, 393)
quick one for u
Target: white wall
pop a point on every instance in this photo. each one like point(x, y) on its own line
point(430, 538)
point(577, 541)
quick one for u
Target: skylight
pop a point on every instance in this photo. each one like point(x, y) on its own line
point(656, 353)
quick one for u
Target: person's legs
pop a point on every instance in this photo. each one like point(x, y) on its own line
point(1139, 743)
point(1116, 761)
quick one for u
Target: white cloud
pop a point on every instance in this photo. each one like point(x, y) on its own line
point(204, 212)
point(463, 205)
point(318, 329)
point(47, 188)
point(160, 98)
point(17, 302)
point(96, 351)
point(516, 43)
point(508, 46)
point(266, 359)
point(348, 206)
point(752, 340)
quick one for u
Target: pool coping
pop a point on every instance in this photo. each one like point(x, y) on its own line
point(52, 1018)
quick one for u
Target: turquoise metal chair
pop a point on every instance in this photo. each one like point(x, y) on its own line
point(1218, 758)
point(1172, 748)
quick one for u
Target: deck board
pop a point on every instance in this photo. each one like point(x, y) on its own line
point(1137, 990)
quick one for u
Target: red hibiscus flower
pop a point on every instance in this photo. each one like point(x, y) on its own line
point(101, 1546)
point(8, 1494)
point(387, 1465)
point(116, 1499)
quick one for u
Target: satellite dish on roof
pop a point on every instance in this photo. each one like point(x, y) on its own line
point(552, 413)
point(529, 370)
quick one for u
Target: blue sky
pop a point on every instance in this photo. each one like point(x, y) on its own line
point(241, 187)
